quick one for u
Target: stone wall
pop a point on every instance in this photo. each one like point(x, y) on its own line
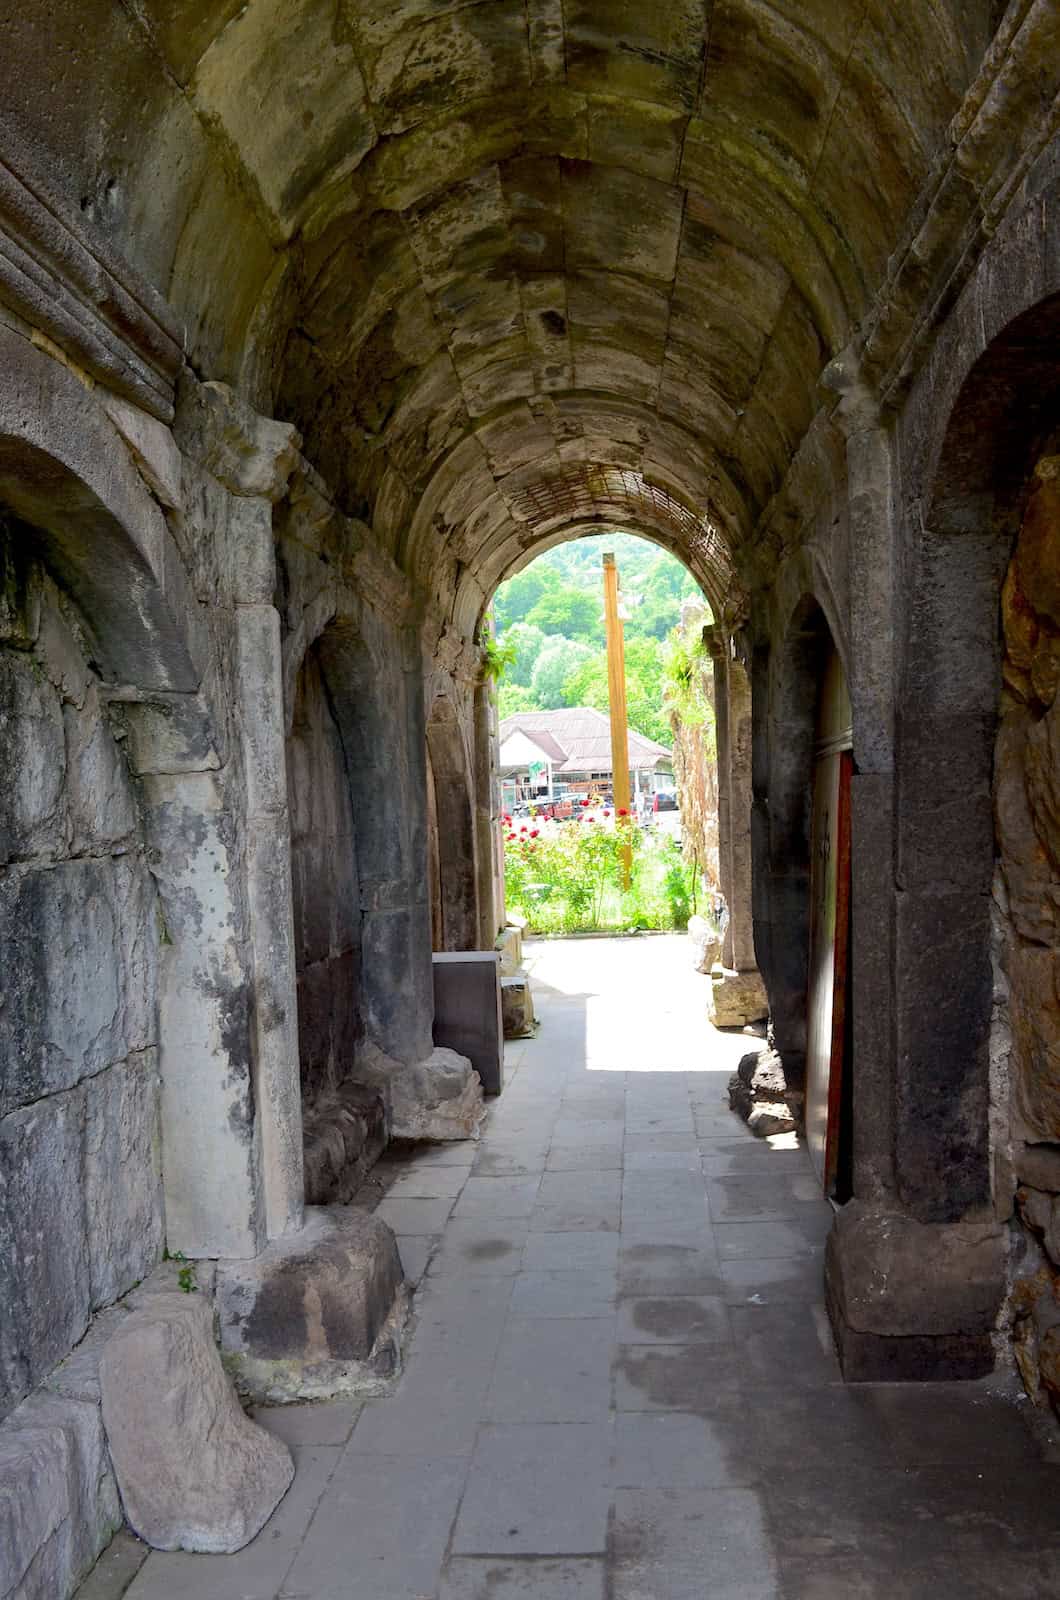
point(1027, 1015)
point(80, 1197)
point(695, 753)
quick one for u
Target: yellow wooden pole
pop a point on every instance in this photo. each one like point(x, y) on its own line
point(616, 694)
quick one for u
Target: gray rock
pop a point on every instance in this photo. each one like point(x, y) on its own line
point(433, 1100)
point(758, 1091)
point(706, 944)
point(102, 806)
point(317, 1313)
point(44, 1259)
point(32, 804)
point(123, 1175)
point(517, 1006)
point(79, 981)
point(194, 1472)
point(58, 1499)
point(1041, 1213)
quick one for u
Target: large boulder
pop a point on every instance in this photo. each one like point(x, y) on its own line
point(194, 1472)
point(317, 1313)
point(759, 1093)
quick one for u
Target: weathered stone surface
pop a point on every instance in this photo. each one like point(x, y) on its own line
point(434, 1100)
point(758, 1091)
point(249, 453)
point(910, 1299)
point(737, 999)
point(510, 945)
point(123, 1175)
point(706, 944)
point(81, 940)
point(44, 1253)
point(32, 802)
point(152, 447)
point(317, 1312)
point(194, 1472)
point(517, 1006)
point(1041, 1213)
point(58, 1499)
point(344, 1133)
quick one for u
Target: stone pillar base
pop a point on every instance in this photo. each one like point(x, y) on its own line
point(737, 998)
point(317, 1313)
point(913, 1301)
point(517, 1006)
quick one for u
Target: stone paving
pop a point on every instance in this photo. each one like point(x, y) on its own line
point(621, 1381)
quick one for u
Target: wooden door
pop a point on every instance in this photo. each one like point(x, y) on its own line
point(829, 923)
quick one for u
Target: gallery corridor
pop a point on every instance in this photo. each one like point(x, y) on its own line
point(620, 1379)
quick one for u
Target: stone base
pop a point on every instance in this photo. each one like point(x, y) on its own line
point(510, 945)
point(737, 999)
point(343, 1136)
point(432, 1101)
point(517, 1006)
point(912, 1301)
point(318, 1313)
point(706, 944)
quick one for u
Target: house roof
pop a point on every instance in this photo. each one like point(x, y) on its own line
point(581, 737)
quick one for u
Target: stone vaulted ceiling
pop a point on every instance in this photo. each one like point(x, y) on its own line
point(519, 266)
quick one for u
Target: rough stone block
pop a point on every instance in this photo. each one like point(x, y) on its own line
point(102, 806)
point(44, 1257)
point(706, 944)
point(912, 1300)
point(343, 1134)
point(510, 947)
point(58, 1499)
point(32, 806)
point(317, 1313)
point(123, 1175)
point(434, 1100)
point(737, 999)
point(79, 982)
point(194, 1472)
point(517, 1006)
point(152, 446)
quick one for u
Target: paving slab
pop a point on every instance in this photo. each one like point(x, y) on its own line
point(707, 1543)
point(553, 1370)
point(531, 1578)
point(511, 1505)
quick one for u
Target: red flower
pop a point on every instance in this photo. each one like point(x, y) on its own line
point(583, 802)
point(534, 832)
point(623, 812)
point(607, 813)
point(524, 828)
point(590, 819)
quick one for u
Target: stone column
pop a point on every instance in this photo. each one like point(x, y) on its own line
point(487, 818)
point(252, 457)
point(915, 1264)
point(739, 997)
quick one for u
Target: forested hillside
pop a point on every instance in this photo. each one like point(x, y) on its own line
point(551, 616)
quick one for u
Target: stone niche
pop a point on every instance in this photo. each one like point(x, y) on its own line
point(79, 926)
point(1027, 1012)
point(81, 1218)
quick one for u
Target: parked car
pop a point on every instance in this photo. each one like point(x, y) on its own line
point(664, 800)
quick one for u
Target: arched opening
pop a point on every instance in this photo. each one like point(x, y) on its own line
point(451, 833)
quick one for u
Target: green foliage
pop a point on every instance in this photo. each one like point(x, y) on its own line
point(520, 594)
point(186, 1275)
point(684, 666)
point(527, 643)
point(567, 877)
point(513, 697)
point(573, 613)
point(499, 657)
point(644, 703)
point(556, 664)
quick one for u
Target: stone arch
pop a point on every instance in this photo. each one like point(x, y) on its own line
point(978, 485)
point(454, 848)
point(793, 679)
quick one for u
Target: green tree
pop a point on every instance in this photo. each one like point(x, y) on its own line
point(556, 667)
point(513, 697)
point(644, 687)
point(520, 594)
point(572, 613)
point(527, 642)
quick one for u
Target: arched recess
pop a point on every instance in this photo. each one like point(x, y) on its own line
point(796, 673)
point(127, 1102)
point(452, 852)
point(950, 786)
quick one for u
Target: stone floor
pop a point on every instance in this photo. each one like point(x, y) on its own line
point(621, 1381)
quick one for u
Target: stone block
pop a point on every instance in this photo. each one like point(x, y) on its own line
point(737, 999)
point(44, 1256)
point(343, 1135)
point(32, 803)
point(100, 796)
point(79, 981)
point(123, 1175)
point(517, 1006)
point(467, 1011)
point(58, 1499)
point(194, 1472)
point(911, 1300)
point(510, 948)
point(317, 1313)
point(152, 446)
point(436, 1099)
point(706, 944)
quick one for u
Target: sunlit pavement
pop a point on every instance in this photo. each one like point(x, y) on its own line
point(621, 1379)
